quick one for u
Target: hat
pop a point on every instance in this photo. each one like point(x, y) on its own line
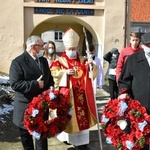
point(70, 38)
point(113, 50)
point(145, 38)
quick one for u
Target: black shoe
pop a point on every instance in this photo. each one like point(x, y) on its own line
point(76, 148)
point(82, 147)
point(65, 142)
point(71, 148)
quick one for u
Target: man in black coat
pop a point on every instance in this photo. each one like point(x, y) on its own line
point(29, 76)
point(135, 77)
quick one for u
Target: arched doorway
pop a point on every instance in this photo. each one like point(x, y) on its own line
point(63, 22)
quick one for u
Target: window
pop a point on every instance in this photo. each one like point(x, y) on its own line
point(58, 35)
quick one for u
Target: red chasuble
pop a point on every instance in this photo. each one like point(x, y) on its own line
point(78, 90)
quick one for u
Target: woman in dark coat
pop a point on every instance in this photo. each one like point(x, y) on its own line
point(112, 57)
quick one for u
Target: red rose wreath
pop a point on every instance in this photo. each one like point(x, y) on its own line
point(126, 124)
point(33, 117)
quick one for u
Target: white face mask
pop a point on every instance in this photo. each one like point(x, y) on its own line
point(71, 54)
point(90, 55)
point(40, 54)
point(146, 50)
point(50, 51)
point(114, 55)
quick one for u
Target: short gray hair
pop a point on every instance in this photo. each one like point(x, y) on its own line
point(32, 40)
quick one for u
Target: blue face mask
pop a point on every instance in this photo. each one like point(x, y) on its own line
point(40, 54)
point(50, 51)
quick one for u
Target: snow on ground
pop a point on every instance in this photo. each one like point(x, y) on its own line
point(4, 79)
point(5, 90)
point(6, 108)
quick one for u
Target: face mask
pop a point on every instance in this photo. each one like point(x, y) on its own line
point(147, 50)
point(90, 55)
point(114, 55)
point(40, 54)
point(71, 54)
point(50, 51)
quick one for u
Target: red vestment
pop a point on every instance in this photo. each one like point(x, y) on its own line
point(78, 89)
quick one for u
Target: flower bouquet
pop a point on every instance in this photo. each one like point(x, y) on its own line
point(126, 124)
point(33, 116)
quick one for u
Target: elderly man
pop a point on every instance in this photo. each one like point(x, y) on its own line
point(135, 77)
point(29, 76)
point(71, 77)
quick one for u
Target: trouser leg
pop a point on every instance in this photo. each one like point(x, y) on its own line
point(115, 89)
point(41, 144)
point(111, 89)
point(26, 139)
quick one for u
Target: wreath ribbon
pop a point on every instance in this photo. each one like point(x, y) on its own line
point(126, 124)
point(33, 116)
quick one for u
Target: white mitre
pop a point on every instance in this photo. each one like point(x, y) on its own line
point(70, 38)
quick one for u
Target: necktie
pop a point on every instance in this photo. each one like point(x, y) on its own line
point(38, 63)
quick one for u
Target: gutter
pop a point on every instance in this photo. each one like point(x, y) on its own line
point(125, 23)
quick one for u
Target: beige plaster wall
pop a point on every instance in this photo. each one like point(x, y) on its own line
point(11, 32)
point(114, 22)
point(19, 21)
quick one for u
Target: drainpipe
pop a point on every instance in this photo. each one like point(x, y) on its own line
point(125, 23)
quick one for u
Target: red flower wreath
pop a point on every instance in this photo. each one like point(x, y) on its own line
point(126, 124)
point(33, 116)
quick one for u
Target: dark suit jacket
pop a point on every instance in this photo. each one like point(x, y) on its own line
point(135, 77)
point(23, 74)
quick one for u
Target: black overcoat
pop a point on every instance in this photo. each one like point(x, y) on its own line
point(135, 77)
point(23, 74)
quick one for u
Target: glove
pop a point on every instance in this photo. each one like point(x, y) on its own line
point(113, 50)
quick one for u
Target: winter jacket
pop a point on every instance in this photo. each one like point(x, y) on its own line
point(112, 60)
point(124, 54)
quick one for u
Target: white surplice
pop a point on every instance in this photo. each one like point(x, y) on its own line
point(99, 80)
point(76, 139)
